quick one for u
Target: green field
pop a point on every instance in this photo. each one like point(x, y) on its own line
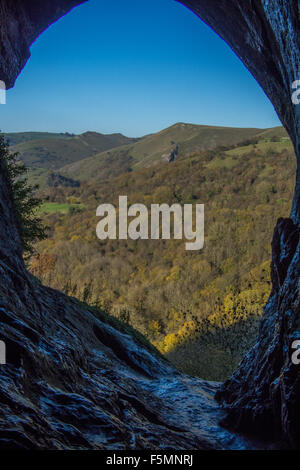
point(52, 207)
point(228, 162)
point(263, 146)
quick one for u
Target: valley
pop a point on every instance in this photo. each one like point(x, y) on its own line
point(192, 306)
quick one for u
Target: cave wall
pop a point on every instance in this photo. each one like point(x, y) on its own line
point(263, 394)
point(21, 23)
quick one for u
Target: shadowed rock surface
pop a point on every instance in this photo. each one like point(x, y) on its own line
point(74, 382)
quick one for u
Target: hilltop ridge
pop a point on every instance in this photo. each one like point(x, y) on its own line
point(53, 151)
point(84, 158)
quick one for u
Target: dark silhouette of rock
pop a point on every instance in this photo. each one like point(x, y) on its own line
point(173, 154)
point(65, 385)
point(55, 179)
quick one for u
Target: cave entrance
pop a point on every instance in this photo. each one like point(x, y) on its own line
point(201, 310)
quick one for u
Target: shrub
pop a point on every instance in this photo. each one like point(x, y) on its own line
point(29, 226)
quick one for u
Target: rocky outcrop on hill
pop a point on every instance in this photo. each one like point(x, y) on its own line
point(55, 179)
point(73, 381)
point(173, 154)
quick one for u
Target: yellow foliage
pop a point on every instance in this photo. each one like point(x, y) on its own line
point(173, 340)
point(155, 327)
point(174, 274)
point(75, 237)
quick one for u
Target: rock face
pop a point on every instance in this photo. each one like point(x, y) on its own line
point(73, 381)
point(173, 154)
point(55, 179)
point(21, 23)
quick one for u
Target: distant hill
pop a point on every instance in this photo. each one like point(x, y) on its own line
point(156, 148)
point(20, 137)
point(53, 151)
point(94, 156)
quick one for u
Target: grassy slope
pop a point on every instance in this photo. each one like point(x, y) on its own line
point(151, 149)
point(52, 151)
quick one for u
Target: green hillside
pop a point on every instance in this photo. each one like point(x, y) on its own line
point(53, 151)
point(15, 138)
point(278, 131)
point(201, 309)
point(155, 148)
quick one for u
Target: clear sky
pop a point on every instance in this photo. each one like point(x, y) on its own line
point(134, 67)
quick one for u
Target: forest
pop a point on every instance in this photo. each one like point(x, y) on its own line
point(200, 309)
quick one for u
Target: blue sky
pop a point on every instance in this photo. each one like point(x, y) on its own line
point(132, 67)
